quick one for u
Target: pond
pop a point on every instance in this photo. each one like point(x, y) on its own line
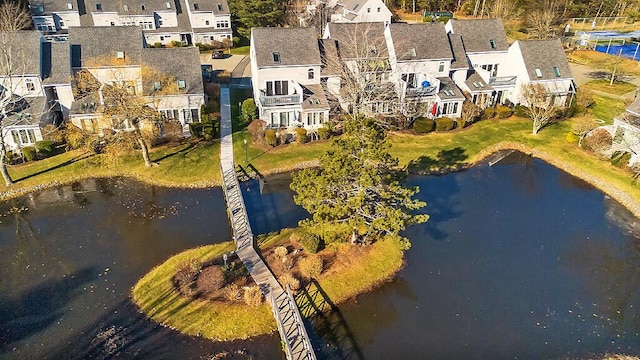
point(517, 260)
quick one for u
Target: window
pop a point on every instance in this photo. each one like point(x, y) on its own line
point(168, 5)
point(61, 23)
point(30, 86)
point(182, 84)
point(315, 118)
point(211, 38)
point(196, 6)
point(126, 8)
point(24, 136)
point(143, 7)
point(161, 38)
point(410, 79)
point(113, 24)
point(276, 57)
point(159, 22)
point(412, 52)
point(538, 73)
point(378, 9)
point(157, 85)
point(194, 115)
point(492, 42)
point(310, 74)
point(277, 87)
point(284, 119)
point(206, 22)
point(556, 71)
point(368, 10)
point(98, 6)
point(119, 54)
point(222, 24)
point(186, 113)
point(219, 7)
point(441, 66)
point(69, 6)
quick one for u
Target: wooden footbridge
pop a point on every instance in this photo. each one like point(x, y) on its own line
point(292, 331)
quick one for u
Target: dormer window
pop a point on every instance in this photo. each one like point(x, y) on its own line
point(556, 71)
point(219, 7)
point(126, 8)
point(182, 84)
point(157, 85)
point(69, 6)
point(120, 55)
point(412, 52)
point(143, 7)
point(98, 6)
point(168, 5)
point(538, 73)
point(441, 66)
point(310, 74)
point(196, 6)
point(276, 57)
point(492, 42)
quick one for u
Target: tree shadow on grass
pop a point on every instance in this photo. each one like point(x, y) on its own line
point(192, 146)
point(444, 162)
point(68, 162)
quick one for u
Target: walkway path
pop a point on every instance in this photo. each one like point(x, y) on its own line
point(290, 325)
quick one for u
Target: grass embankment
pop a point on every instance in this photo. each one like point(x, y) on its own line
point(618, 87)
point(192, 164)
point(157, 297)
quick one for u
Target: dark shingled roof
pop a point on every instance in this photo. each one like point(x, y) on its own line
point(25, 47)
point(56, 68)
point(477, 33)
point(313, 97)
point(355, 40)
point(179, 63)
point(448, 84)
point(51, 6)
point(97, 46)
point(295, 46)
point(329, 56)
point(217, 6)
point(477, 79)
point(545, 55)
point(460, 60)
point(428, 41)
point(33, 112)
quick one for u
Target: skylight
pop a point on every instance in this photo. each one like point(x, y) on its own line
point(412, 52)
point(276, 57)
point(492, 42)
point(556, 71)
point(69, 6)
point(126, 7)
point(182, 84)
point(143, 7)
point(157, 85)
point(219, 7)
point(168, 5)
point(99, 6)
point(196, 6)
point(119, 54)
point(538, 72)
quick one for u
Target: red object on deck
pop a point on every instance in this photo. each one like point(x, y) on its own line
point(434, 109)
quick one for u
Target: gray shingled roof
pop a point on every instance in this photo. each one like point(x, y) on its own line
point(217, 6)
point(478, 33)
point(25, 47)
point(356, 40)
point(460, 60)
point(448, 84)
point(429, 41)
point(179, 63)
point(545, 55)
point(634, 107)
point(353, 5)
point(313, 97)
point(295, 46)
point(51, 6)
point(97, 46)
point(56, 63)
point(329, 56)
point(34, 112)
point(474, 79)
point(134, 6)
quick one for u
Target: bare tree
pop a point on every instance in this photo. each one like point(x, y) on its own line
point(582, 126)
point(13, 64)
point(542, 20)
point(537, 99)
point(470, 112)
point(505, 9)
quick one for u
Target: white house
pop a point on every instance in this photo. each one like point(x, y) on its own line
point(285, 72)
point(121, 58)
point(356, 11)
point(163, 21)
point(540, 62)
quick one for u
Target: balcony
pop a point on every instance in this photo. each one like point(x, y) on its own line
point(276, 100)
point(421, 91)
point(502, 81)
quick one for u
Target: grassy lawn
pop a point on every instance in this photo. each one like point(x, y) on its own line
point(156, 296)
point(618, 88)
point(607, 108)
point(242, 50)
point(600, 61)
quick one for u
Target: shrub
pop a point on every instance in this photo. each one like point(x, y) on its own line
point(504, 112)
point(176, 43)
point(597, 141)
point(29, 153)
point(248, 110)
point(196, 130)
point(211, 279)
point(324, 133)
point(52, 133)
point(236, 41)
point(311, 267)
point(572, 138)
point(310, 243)
point(73, 136)
point(585, 98)
point(270, 137)
point(521, 111)
point(227, 43)
point(488, 113)
point(252, 296)
point(288, 279)
point(301, 136)
point(44, 148)
point(232, 292)
point(157, 44)
point(281, 252)
point(256, 129)
point(444, 124)
point(621, 159)
point(423, 125)
point(186, 273)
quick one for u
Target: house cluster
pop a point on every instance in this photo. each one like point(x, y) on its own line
point(163, 21)
point(46, 87)
point(418, 70)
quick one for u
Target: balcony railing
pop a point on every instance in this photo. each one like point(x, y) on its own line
point(502, 81)
point(274, 100)
point(421, 91)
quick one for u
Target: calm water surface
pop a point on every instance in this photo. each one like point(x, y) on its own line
point(518, 260)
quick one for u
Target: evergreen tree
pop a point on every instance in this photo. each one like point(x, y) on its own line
point(356, 188)
point(257, 13)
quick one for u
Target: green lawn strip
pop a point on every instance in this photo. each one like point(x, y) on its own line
point(606, 108)
point(242, 50)
point(618, 88)
point(158, 299)
point(384, 260)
